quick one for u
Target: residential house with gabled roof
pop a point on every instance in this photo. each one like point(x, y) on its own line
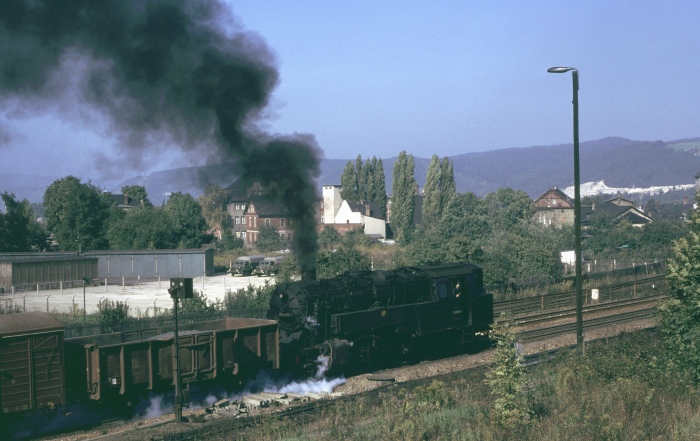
point(125, 202)
point(264, 211)
point(554, 208)
point(346, 215)
point(620, 209)
point(238, 195)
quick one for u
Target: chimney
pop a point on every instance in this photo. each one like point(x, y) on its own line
point(308, 274)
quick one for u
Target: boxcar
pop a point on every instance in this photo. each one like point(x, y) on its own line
point(121, 367)
point(31, 363)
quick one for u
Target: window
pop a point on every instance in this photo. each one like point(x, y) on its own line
point(267, 222)
point(242, 234)
point(243, 219)
point(282, 222)
point(289, 222)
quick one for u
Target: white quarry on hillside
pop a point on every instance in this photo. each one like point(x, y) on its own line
point(596, 188)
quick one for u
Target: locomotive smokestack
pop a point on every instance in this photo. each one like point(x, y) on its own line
point(309, 274)
point(160, 73)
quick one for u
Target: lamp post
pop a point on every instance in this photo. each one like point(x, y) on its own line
point(578, 282)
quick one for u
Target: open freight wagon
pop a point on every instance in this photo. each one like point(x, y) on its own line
point(119, 368)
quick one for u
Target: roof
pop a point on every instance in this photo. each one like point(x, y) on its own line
point(28, 323)
point(360, 207)
point(550, 198)
point(631, 214)
point(266, 206)
point(42, 257)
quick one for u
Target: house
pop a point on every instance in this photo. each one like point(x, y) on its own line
point(124, 202)
point(264, 211)
point(554, 208)
point(350, 215)
point(239, 194)
point(620, 209)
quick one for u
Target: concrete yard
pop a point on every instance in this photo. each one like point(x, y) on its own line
point(141, 296)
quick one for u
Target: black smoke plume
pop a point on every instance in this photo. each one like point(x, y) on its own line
point(162, 72)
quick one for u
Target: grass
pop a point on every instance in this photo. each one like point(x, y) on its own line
point(623, 391)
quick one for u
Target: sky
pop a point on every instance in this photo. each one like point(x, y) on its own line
point(374, 78)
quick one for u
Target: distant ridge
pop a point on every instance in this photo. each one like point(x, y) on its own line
point(620, 162)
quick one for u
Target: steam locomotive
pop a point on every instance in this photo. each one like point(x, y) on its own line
point(356, 318)
point(364, 316)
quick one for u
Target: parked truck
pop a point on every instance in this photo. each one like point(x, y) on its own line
point(269, 266)
point(245, 265)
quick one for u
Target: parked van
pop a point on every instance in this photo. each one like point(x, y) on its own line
point(269, 266)
point(245, 265)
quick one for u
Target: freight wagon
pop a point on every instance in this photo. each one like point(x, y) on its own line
point(120, 368)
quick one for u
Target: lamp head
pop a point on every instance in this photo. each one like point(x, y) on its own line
point(561, 69)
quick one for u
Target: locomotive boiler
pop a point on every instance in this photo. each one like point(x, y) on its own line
point(364, 316)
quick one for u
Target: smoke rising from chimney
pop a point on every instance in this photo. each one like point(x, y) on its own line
point(161, 73)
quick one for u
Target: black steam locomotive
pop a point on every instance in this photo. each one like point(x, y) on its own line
point(363, 316)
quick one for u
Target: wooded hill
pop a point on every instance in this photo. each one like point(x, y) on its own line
point(619, 162)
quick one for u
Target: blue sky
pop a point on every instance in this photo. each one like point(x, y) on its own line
point(436, 77)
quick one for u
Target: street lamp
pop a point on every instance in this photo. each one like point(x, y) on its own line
point(578, 282)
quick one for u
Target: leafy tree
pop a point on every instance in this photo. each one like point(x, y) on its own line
point(329, 238)
point(146, 228)
point(349, 183)
point(680, 314)
point(213, 203)
point(228, 241)
point(288, 270)
point(368, 182)
point(448, 186)
point(268, 239)
point(38, 236)
point(380, 196)
point(137, 193)
point(77, 214)
point(14, 225)
point(431, 192)
point(439, 188)
point(355, 238)
point(332, 264)
point(403, 202)
point(112, 315)
point(186, 219)
point(250, 301)
point(507, 207)
point(661, 234)
point(465, 214)
point(507, 377)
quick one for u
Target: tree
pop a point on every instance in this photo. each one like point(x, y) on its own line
point(77, 214)
point(431, 193)
point(329, 238)
point(186, 219)
point(507, 207)
point(448, 186)
point(680, 314)
point(268, 239)
point(213, 203)
point(146, 228)
point(138, 194)
point(402, 201)
point(333, 264)
point(507, 377)
point(380, 185)
point(14, 225)
point(349, 183)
